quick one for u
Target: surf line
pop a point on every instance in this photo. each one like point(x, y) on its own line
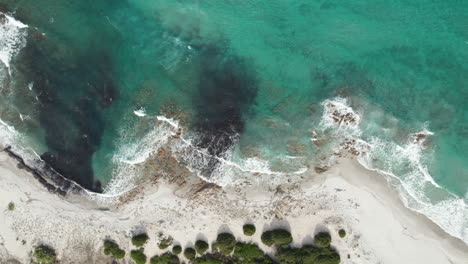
point(60, 185)
point(175, 125)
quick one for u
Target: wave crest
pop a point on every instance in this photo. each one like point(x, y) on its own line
point(12, 38)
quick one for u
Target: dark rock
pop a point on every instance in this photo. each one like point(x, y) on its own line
point(3, 19)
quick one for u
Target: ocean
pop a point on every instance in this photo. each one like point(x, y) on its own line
point(102, 90)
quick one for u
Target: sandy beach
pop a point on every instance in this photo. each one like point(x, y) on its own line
point(379, 228)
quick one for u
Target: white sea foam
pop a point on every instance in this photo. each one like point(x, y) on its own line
point(402, 162)
point(140, 112)
point(8, 134)
point(252, 165)
point(12, 39)
point(130, 155)
point(338, 114)
point(399, 161)
point(125, 176)
point(174, 123)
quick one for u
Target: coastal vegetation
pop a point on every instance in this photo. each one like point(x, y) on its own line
point(177, 249)
point(307, 254)
point(226, 249)
point(111, 248)
point(138, 256)
point(249, 229)
point(250, 253)
point(164, 241)
point(166, 258)
point(342, 233)
point(210, 259)
point(322, 239)
point(140, 240)
point(44, 254)
point(276, 236)
point(11, 206)
point(190, 253)
point(201, 246)
point(225, 243)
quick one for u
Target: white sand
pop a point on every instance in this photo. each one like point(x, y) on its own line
point(380, 229)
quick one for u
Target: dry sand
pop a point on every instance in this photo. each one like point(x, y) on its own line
point(379, 228)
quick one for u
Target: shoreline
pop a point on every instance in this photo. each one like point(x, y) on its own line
point(380, 228)
point(48, 177)
point(388, 195)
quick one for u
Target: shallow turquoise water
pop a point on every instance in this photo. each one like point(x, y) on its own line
point(247, 78)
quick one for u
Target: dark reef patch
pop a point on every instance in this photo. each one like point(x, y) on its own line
point(72, 93)
point(225, 92)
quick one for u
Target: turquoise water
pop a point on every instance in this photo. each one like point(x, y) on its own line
point(247, 79)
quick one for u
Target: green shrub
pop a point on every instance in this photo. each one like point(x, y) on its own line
point(342, 233)
point(176, 249)
point(111, 248)
point(276, 236)
point(44, 254)
point(138, 256)
point(250, 253)
point(140, 240)
point(225, 243)
point(267, 238)
point(201, 246)
point(166, 258)
point(249, 229)
point(11, 206)
point(164, 241)
point(322, 239)
point(329, 258)
point(189, 253)
point(209, 259)
point(288, 255)
point(306, 255)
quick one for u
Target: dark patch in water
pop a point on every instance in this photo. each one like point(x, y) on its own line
point(225, 93)
point(72, 92)
point(227, 88)
point(4, 8)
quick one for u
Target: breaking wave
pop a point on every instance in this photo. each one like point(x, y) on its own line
point(13, 38)
point(404, 164)
point(342, 127)
point(13, 35)
point(168, 136)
